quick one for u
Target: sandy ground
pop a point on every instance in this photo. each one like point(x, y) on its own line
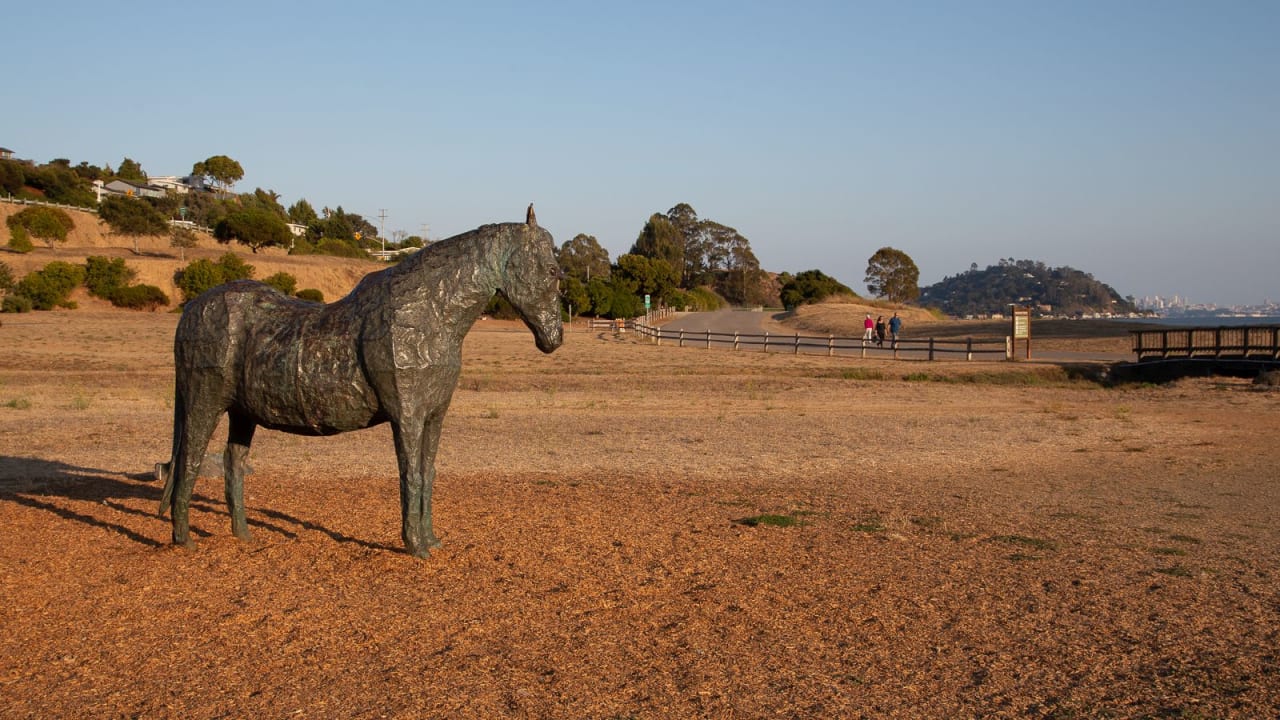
point(993, 541)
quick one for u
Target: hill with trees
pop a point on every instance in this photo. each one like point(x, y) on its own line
point(1051, 291)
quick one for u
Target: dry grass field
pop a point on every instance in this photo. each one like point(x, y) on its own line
point(641, 532)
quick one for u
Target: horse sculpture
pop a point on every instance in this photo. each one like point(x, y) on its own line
point(390, 351)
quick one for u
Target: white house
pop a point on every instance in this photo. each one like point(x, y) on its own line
point(174, 183)
point(127, 189)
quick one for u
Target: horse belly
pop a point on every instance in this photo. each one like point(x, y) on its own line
point(308, 383)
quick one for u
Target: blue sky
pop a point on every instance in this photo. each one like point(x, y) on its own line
point(1137, 141)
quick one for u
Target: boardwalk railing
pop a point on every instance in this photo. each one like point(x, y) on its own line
point(1246, 342)
point(905, 348)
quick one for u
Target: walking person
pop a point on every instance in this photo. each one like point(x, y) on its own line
point(895, 327)
point(880, 331)
point(869, 328)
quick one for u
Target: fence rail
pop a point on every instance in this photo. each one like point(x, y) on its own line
point(930, 349)
point(1246, 342)
point(25, 201)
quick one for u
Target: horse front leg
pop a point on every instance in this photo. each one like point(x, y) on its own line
point(234, 465)
point(416, 445)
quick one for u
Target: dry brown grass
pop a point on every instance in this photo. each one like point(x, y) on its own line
point(962, 549)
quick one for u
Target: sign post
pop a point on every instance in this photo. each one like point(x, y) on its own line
point(1022, 328)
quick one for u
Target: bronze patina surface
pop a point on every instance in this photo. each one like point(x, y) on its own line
point(390, 351)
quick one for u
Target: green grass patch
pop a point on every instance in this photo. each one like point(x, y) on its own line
point(1185, 539)
point(1168, 551)
point(1176, 571)
point(769, 520)
point(869, 525)
point(20, 403)
point(861, 373)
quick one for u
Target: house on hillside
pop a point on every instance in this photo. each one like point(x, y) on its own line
point(126, 189)
point(174, 183)
point(6, 153)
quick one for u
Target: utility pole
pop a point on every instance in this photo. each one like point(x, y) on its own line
point(382, 224)
point(425, 239)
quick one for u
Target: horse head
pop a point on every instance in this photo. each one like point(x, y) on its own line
point(531, 283)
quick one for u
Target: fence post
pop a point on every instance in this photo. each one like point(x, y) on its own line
point(682, 338)
point(930, 349)
point(735, 339)
point(1217, 342)
point(968, 350)
point(831, 349)
point(765, 349)
point(796, 348)
point(1008, 347)
point(708, 338)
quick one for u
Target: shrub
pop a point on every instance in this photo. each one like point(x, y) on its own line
point(138, 297)
point(705, 299)
point(311, 295)
point(47, 223)
point(104, 275)
point(197, 277)
point(6, 278)
point(283, 281)
point(19, 240)
point(15, 304)
point(49, 287)
point(233, 268)
point(203, 274)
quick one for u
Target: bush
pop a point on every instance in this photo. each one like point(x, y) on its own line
point(197, 277)
point(15, 304)
point(138, 297)
point(19, 240)
point(47, 223)
point(311, 295)
point(6, 278)
point(284, 282)
point(203, 274)
point(705, 299)
point(104, 275)
point(49, 287)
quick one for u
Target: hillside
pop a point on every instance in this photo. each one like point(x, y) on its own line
point(1061, 291)
point(156, 262)
point(843, 316)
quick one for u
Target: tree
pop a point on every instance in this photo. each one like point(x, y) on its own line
point(810, 286)
point(696, 269)
point(41, 221)
point(651, 276)
point(182, 238)
point(302, 213)
point(583, 258)
point(893, 275)
point(222, 170)
point(131, 170)
point(661, 240)
point(131, 216)
point(254, 227)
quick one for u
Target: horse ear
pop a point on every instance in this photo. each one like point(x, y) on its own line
point(529, 218)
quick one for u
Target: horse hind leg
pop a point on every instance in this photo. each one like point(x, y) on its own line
point(235, 463)
point(197, 427)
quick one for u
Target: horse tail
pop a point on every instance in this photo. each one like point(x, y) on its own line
point(165, 470)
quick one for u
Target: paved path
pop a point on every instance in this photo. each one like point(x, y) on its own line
point(728, 322)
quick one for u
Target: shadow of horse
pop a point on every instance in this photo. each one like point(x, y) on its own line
point(36, 482)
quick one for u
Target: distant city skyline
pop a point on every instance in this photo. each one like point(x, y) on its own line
point(1133, 141)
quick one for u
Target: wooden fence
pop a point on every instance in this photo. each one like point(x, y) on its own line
point(930, 349)
point(24, 201)
point(1246, 342)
